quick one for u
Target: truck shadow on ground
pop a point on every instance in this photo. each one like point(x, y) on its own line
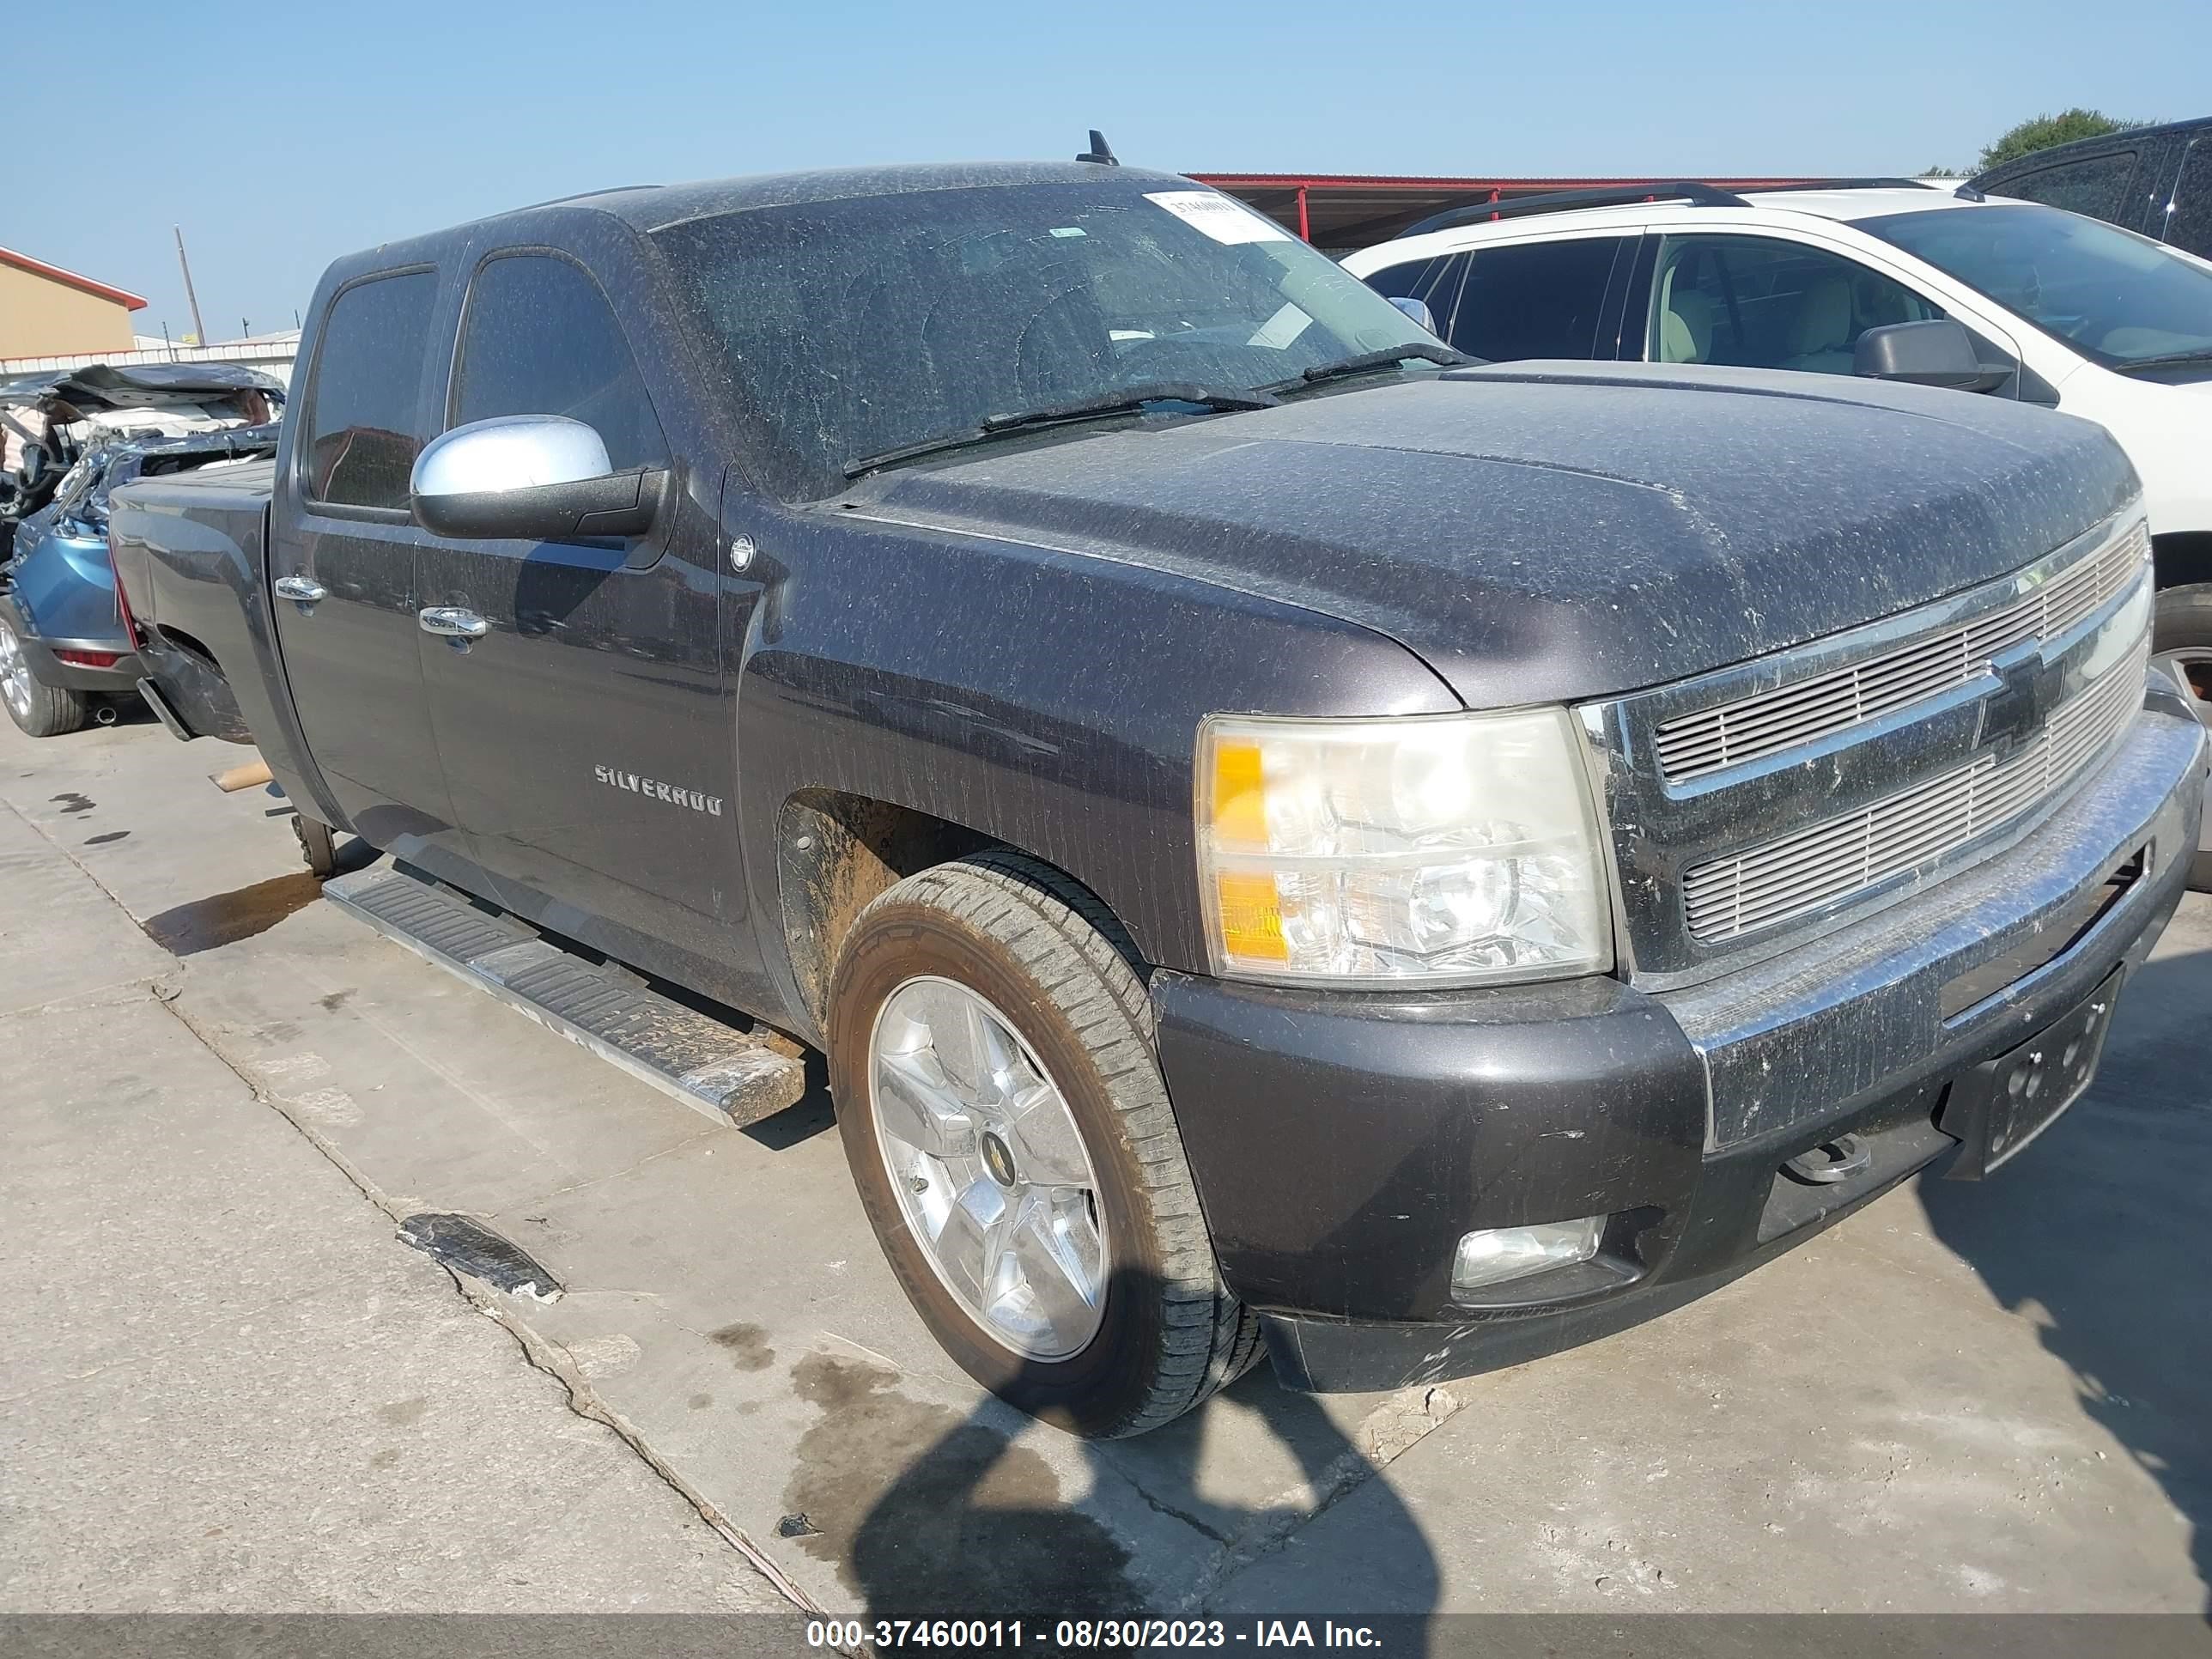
point(220, 919)
point(977, 1522)
point(2098, 1235)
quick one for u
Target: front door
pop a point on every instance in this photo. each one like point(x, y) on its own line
point(342, 569)
point(584, 732)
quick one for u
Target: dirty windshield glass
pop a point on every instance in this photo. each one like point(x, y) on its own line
point(855, 326)
point(2119, 300)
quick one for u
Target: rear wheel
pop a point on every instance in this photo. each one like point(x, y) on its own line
point(2181, 640)
point(990, 1054)
point(317, 845)
point(41, 710)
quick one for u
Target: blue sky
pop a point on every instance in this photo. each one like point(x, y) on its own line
point(281, 137)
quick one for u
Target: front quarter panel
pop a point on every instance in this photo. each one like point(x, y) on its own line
point(2168, 432)
point(1048, 700)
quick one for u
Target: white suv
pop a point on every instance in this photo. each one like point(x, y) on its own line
point(2062, 310)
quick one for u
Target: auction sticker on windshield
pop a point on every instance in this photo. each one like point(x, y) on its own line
point(1219, 216)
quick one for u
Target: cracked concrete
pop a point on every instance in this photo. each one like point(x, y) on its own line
point(228, 1388)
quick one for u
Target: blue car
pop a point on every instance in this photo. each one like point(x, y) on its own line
point(66, 654)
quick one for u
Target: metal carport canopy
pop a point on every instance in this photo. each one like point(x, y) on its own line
point(1341, 212)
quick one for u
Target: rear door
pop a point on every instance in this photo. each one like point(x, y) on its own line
point(343, 541)
point(584, 732)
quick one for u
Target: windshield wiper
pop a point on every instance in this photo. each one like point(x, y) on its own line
point(1121, 400)
point(2169, 360)
point(1428, 351)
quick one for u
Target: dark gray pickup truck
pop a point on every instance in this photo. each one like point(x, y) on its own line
point(1286, 837)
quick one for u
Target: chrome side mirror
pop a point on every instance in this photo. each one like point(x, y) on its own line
point(1416, 309)
point(535, 477)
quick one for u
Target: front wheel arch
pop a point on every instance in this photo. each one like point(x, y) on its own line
point(2181, 558)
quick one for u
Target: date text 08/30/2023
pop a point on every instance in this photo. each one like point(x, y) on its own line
point(1083, 1634)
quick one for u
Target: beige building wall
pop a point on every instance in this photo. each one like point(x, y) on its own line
point(40, 317)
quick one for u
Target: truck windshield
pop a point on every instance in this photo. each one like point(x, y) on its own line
point(2116, 298)
point(857, 326)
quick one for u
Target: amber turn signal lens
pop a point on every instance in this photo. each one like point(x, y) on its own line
point(1251, 916)
point(1240, 796)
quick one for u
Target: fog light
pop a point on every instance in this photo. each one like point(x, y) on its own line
point(1497, 1254)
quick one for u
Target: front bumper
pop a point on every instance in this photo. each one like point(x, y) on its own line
point(1342, 1143)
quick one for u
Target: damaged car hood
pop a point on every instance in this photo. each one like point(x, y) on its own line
point(1548, 532)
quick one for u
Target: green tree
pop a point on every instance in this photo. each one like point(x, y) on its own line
point(2045, 130)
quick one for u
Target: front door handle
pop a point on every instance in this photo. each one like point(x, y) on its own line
point(451, 622)
point(300, 590)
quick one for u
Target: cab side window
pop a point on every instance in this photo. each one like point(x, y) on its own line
point(2189, 225)
point(2096, 186)
point(1535, 299)
point(1754, 303)
point(539, 339)
point(364, 408)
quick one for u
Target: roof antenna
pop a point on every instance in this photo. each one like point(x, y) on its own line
point(1100, 152)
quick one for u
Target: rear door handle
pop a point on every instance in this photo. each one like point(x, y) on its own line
point(451, 622)
point(300, 590)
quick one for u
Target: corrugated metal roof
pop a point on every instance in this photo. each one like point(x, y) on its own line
point(1423, 181)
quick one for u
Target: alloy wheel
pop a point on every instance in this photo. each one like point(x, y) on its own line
point(989, 1168)
point(14, 674)
point(2191, 665)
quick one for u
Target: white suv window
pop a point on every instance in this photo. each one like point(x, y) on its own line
point(1755, 302)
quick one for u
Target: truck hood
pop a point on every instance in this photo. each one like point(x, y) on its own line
point(1544, 532)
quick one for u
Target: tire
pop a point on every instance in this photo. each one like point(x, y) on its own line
point(2181, 636)
point(317, 845)
point(1053, 964)
point(39, 710)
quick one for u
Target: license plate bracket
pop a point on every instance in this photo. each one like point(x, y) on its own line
point(2001, 1105)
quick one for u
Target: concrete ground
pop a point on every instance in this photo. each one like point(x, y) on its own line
point(228, 1386)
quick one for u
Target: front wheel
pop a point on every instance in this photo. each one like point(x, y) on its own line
point(992, 1058)
point(40, 709)
point(2181, 642)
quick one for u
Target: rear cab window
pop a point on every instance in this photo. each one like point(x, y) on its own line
point(364, 423)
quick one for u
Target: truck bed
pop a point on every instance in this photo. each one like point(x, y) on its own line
point(189, 551)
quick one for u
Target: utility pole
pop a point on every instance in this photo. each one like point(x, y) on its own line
point(192, 299)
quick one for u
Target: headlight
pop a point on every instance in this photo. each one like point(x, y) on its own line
point(1443, 849)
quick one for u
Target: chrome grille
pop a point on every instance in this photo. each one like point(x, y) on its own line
point(1797, 874)
point(1754, 727)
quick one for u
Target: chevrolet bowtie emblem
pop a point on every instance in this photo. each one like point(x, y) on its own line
point(2026, 690)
